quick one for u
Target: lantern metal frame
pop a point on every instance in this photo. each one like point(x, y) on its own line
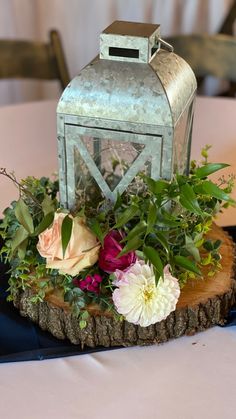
point(127, 99)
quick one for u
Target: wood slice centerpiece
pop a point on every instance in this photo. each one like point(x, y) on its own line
point(203, 303)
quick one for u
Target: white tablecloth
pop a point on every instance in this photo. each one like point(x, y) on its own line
point(187, 378)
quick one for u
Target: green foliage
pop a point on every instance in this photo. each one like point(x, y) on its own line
point(23, 221)
point(75, 296)
point(95, 226)
point(19, 238)
point(153, 256)
point(208, 169)
point(84, 316)
point(66, 230)
point(204, 154)
point(188, 199)
point(44, 223)
point(128, 214)
point(23, 216)
point(166, 224)
point(169, 221)
point(29, 216)
point(187, 264)
point(132, 244)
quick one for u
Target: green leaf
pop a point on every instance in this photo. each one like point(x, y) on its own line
point(20, 235)
point(80, 303)
point(153, 256)
point(69, 296)
point(23, 216)
point(118, 202)
point(188, 199)
point(78, 292)
point(162, 239)
point(42, 284)
point(45, 223)
point(96, 229)
point(22, 249)
point(217, 244)
point(208, 245)
point(165, 220)
point(209, 188)
point(151, 218)
point(138, 230)
point(187, 264)
point(101, 217)
point(156, 186)
point(191, 248)
point(82, 324)
point(126, 216)
point(207, 260)
point(131, 245)
point(85, 315)
point(181, 179)
point(66, 230)
point(48, 205)
point(208, 169)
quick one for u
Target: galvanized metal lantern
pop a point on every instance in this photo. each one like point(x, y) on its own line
point(129, 111)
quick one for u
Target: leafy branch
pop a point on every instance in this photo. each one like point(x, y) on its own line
point(22, 188)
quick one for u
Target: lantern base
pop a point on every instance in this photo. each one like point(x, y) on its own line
point(203, 303)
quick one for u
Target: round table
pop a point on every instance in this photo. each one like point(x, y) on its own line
point(187, 378)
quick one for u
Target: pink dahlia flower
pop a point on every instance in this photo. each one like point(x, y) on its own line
point(108, 260)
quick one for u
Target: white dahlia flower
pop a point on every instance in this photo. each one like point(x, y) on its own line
point(139, 299)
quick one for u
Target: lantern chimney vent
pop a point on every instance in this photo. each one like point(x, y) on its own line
point(129, 41)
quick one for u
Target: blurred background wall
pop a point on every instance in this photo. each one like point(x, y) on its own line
point(80, 23)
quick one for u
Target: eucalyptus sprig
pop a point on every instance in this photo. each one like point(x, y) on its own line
point(27, 217)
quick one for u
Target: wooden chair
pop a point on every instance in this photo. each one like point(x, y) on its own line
point(228, 23)
point(213, 55)
point(34, 60)
point(227, 27)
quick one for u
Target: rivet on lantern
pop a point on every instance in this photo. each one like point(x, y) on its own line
point(129, 111)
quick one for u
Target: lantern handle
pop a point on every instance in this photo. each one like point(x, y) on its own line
point(160, 42)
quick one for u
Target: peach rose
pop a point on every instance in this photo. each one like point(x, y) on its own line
point(77, 256)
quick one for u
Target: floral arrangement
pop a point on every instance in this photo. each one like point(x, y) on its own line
point(132, 258)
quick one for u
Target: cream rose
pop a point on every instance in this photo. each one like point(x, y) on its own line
point(77, 256)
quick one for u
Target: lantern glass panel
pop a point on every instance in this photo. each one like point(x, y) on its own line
point(113, 159)
point(182, 140)
point(102, 163)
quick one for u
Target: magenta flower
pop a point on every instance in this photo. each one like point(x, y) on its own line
point(90, 283)
point(108, 260)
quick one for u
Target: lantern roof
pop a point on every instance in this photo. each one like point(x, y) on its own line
point(152, 87)
point(124, 28)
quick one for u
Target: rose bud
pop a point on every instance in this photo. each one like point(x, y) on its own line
point(108, 260)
